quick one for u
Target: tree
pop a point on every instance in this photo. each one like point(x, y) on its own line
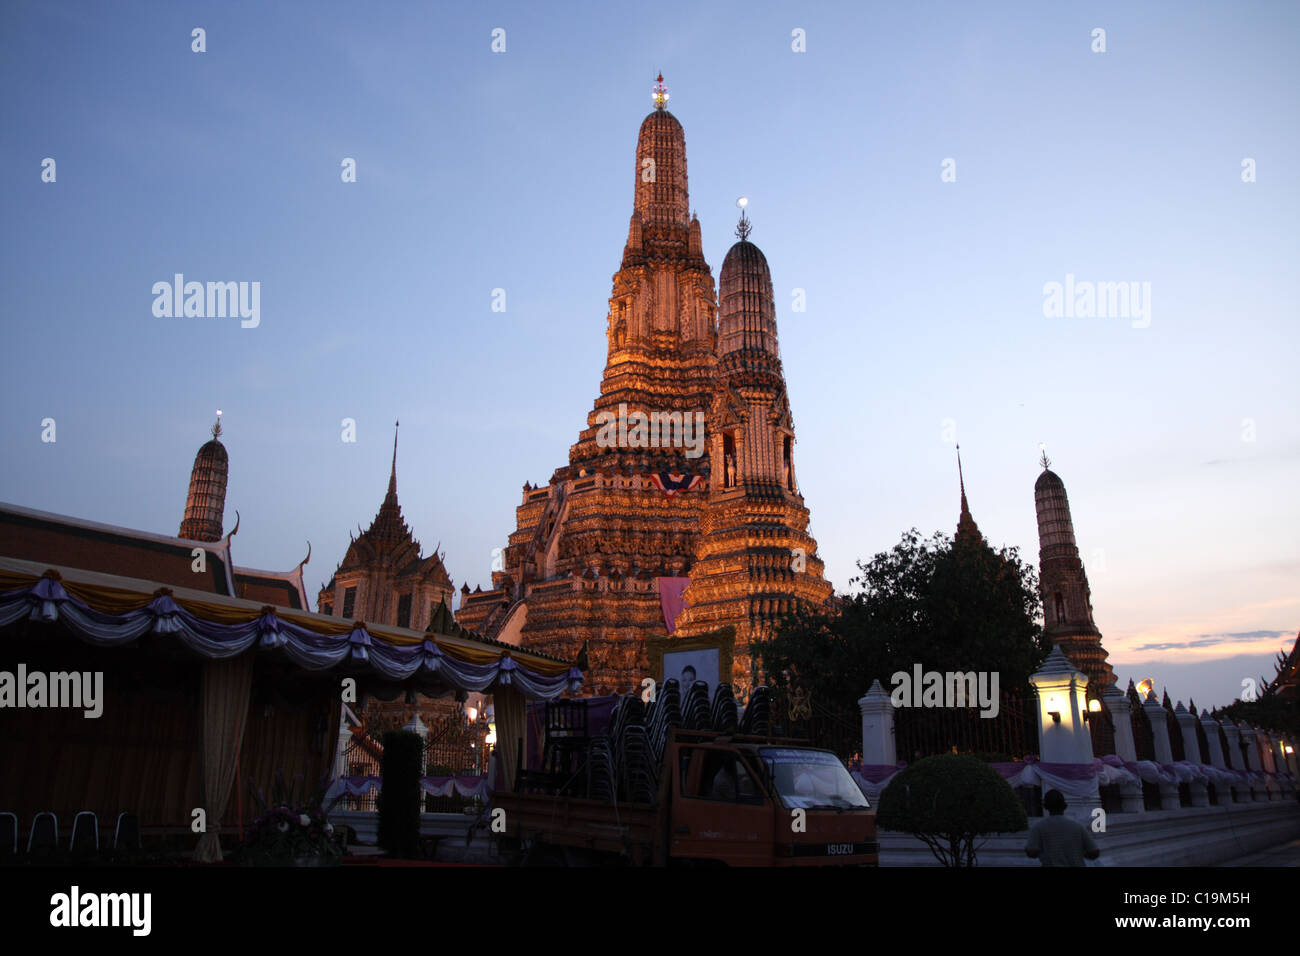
point(949, 606)
point(948, 801)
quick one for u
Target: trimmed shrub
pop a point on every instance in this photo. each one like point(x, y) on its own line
point(947, 801)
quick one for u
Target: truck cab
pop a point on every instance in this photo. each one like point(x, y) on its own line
point(750, 802)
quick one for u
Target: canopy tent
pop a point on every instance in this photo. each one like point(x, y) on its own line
point(182, 667)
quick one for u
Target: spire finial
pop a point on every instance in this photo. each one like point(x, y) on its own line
point(392, 477)
point(744, 227)
point(660, 93)
point(961, 480)
point(216, 429)
point(1044, 460)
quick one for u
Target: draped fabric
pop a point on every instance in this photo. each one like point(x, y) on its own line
point(321, 646)
point(223, 708)
point(462, 786)
point(509, 705)
point(1081, 780)
point(672, 593)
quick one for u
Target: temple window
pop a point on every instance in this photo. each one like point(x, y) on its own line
point(404, 610)
point(349, 601)
point(1060, 608)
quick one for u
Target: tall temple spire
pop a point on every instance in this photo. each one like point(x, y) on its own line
point(661, 193)
point(966, 527)
point(1067, 599)
point(392, 477)
point(755, 559)
point(205, 504)
point(746, 306)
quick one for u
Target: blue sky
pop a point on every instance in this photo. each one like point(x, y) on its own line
point(1179, 442)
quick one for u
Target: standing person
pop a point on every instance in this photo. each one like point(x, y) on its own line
point(1058, 840)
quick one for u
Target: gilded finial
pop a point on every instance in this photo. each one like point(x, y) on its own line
point(744, 227)
point(660, 93)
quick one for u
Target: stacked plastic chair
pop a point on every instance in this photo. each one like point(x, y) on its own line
point(724, 715)
point(640, 782)
point(664, 715)
point(695, 708)
point(757, 719)
point(602, 780)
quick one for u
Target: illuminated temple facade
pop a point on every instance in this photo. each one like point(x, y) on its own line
point(685, 468)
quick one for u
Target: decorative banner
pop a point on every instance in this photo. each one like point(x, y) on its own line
point(670, 484)
point(671, 599)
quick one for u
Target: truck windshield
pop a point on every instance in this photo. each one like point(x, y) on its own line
point(807, 779)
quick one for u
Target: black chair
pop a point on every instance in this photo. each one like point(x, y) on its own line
point(85, 835)
point(43, 841)
point(126, 837)
point(8, 837)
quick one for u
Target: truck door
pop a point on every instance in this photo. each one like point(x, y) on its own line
point(721, 812)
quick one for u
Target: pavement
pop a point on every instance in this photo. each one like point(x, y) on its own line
point(1288, 854)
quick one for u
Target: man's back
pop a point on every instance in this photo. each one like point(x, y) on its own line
point(1060, 841)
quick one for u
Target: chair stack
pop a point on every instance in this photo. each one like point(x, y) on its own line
point(662, 716)
point(695, 709)
point(757, 719)
point(724, 714)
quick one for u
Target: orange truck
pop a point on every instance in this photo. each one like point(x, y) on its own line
point(723, 800)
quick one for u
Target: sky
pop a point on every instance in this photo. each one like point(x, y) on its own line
point(919, 174)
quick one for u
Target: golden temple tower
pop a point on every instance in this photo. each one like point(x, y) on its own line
point(590, 549)
point(755, 559)
point(600, 556)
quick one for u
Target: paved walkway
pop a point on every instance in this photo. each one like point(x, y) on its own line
point(1288, 854)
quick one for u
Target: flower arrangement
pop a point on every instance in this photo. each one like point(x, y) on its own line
point(292, 828)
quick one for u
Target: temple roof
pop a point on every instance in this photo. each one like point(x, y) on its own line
point(60, 540)
point(389, 541)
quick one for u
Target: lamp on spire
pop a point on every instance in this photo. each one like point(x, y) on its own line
point(216, 429)
point(743, 227)
point(660, 93)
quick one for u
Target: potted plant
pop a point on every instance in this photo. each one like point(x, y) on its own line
point(292, 828)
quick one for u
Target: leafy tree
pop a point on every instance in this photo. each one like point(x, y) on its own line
point(948, 606)
point(948, 801)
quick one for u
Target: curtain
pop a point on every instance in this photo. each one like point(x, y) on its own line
point(226, 687)
point(508, 704)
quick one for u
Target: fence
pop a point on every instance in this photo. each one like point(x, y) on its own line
point(453, 748)
point(1010, 735)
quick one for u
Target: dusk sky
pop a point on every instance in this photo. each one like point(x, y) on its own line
point(1175, 431)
